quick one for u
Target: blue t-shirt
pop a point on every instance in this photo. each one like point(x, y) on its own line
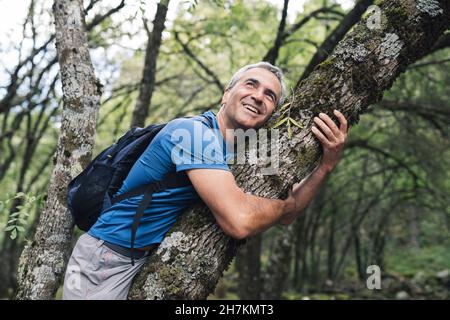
point(183, 144)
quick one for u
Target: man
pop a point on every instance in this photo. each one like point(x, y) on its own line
point(100, 267)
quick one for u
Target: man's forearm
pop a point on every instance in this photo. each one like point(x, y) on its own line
point(259, 214)
point(304, 192)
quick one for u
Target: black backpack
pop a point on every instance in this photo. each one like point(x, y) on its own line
point(93, 190)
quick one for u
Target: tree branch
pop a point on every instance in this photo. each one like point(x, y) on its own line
point(272, 55)
point(202, 66)
point(283, 35)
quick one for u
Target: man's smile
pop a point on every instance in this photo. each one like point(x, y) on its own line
point(251, 108)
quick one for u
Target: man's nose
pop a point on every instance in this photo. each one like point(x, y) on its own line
point(258, 96)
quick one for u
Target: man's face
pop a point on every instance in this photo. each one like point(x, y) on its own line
point(251, 101)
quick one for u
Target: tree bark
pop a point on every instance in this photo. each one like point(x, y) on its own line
point(194, 255)
point(337, 35)
point(147, 86)
point(42, 263)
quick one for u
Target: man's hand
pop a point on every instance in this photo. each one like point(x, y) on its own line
point(331, 137)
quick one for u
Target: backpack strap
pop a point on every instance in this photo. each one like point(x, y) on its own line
point(172, 180)
point(154, 187)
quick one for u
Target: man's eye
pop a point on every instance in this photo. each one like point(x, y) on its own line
point(251, 84)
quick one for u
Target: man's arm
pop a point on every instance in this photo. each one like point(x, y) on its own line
point(241, 215)
point(332, 139)
point(304, 192)
point(238, 214)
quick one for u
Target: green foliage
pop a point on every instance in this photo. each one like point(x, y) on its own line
point(192, 4)
point(18, 220)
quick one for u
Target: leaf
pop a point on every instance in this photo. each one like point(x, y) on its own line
point(11, 221)
point(13, 234)
point(20, 229)
point(19, 195)
point(218, 3)
point(279, 123)
point(284, 106)
point(297, 124)
point(22, 221)
point(192, 4)
point(289, 130)
point(15, 214)
point(9, 228)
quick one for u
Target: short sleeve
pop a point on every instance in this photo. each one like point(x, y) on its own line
point(193, 145)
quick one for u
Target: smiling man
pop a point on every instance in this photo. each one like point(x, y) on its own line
point(248, 102)
point(100, 267)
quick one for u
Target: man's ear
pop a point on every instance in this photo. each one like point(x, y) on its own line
point(225, 96)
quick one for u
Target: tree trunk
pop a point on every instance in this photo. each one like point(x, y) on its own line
point(277, 273)
point(248, 266)
point(300, 246)
point(10, 249)
point(414, 227)
point(42, 263)
point(8, 264)
point(147, 86)
point(192, 258)
point(358, 259)
point(331, 250)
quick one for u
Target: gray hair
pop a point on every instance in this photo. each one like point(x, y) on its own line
point(264, 65)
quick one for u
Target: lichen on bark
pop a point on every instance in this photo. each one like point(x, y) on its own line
point(430, 7)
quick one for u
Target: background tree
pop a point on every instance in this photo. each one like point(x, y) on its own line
point(43, 261)
point(147, 86)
